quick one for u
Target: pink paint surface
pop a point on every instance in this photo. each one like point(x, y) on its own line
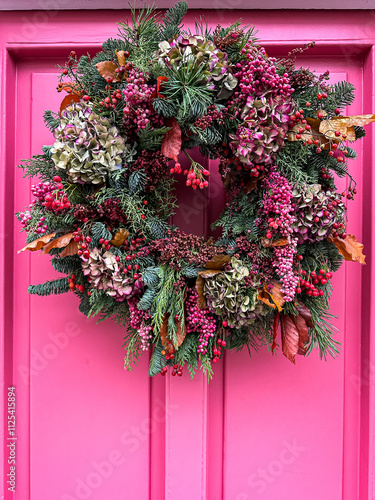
point(262, 428)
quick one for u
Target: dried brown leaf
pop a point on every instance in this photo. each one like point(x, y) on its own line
point(350, 248)
point(202, 302)
point(60, 242)
point(120, 237)
point(71, 249)
point(181, 334)
point(278, 243)
point(275, 294)
point(295, 332)
point(37, 244)
point(218, 261)
point(107, 69)
point(68, 99)
point(121, 57)
point(171, 143)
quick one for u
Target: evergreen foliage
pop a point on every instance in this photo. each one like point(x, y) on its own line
point(53, 287)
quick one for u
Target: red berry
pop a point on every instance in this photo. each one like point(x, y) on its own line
point(223, 343)
point(225, 324)
point(143, 216)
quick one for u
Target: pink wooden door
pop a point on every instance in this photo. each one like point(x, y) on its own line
point(86, 429)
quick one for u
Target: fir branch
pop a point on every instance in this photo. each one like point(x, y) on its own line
point(171, 24)
point(51, 120)
point(53, 287)
point(157, 361)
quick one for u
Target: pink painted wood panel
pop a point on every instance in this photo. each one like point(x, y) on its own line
point(262, 428)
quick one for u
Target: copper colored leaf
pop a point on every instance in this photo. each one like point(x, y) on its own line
point(180, 335)
point(275, 294)
point(252, 184)
point(71, 249)
point(68, 99)
point(218, 261)
point(278, 243)
point(295, 332)
point(171, 143)
point(344, 125)
point(329, 128)
point(209, 273)
point(275, 325)
point(164, 330)
point(121, 57)
point(107, 69)
point(120, 237)
point(37, 244)
point(313, 134)
point(350, 248)
point(60, 242)
point(202, 302)
point(289, 338)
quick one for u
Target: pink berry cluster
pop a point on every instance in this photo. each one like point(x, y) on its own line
point(138, 321)
point(51, 195)
point(258, 74)
point(26, 220)
point(138, 111)
point(277, 205)
point(283, 264)
point(199, 320)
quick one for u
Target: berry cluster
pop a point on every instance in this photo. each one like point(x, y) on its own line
point(307, 282)
point(199, 320)
point(51, 195)
point(83, 244)
point(138, 321)
point(283, 264)
point(216, 350)
point(277, 205)
point(75, 286)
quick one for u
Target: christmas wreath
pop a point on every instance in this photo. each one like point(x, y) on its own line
point(105, 192)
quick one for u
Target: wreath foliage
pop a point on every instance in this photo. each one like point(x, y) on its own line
point(104, 196)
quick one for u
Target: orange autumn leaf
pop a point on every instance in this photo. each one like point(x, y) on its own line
point(60, 242)
point(218, 261)
point(350, 248)
point(120, 237)
point(121, 57)
point(275, 294)
point(71, 249)
point(68, 99)
point(278, 243)
point(37, 244)
point(107, 69)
